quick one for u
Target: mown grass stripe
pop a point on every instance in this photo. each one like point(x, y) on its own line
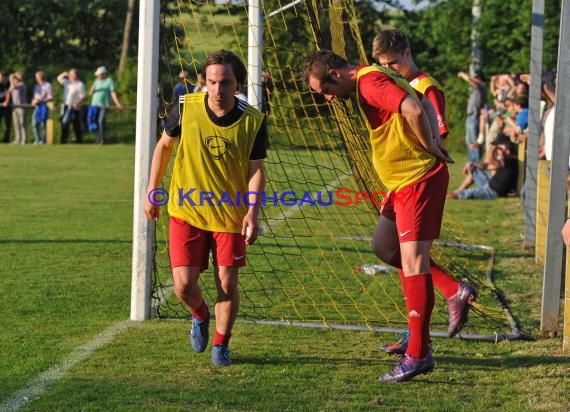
point(48, 378)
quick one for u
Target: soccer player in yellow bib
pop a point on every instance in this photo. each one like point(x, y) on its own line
point(215, 194)
point(392, 49)
point(411, 163)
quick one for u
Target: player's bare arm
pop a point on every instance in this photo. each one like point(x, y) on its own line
point(431, 114)
point(414, 114)
point(250, 227)
point(160, 160)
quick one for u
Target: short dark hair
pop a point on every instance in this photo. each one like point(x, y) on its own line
point(506, 143)
point(548, 78)
point(521, 100)
point(319, 63)
point(227, 57)
point(391, 40)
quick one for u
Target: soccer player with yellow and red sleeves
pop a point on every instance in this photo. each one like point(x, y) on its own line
point(411, 163)
point(392, 49)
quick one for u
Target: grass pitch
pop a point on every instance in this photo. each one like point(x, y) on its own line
point(65, 277)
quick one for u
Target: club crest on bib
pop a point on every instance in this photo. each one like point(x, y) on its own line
point(217, 146)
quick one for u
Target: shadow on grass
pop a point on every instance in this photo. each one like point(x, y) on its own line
point(511, 254)
point(40, 241)
point(303, 360)
point(503, 362)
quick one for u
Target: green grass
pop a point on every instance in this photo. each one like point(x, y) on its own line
point(65, 276)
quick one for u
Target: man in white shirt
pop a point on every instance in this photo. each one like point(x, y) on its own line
point(73, 95)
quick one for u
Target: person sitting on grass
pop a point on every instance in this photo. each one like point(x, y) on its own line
point(493, 179)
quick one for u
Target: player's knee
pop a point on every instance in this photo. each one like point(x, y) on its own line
point(183, 289)
point(227, 291)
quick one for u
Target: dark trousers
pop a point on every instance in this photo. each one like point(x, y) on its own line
point(73, 118)
point(6, 114)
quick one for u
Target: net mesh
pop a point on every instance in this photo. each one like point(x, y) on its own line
point(315, 232)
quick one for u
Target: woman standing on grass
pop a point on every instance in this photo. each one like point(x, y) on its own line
point(102, 92)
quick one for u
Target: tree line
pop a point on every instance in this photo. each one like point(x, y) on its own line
point(52, 35)
point(55, 35)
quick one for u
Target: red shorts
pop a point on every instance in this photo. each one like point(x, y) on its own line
point(417, 208)
point(190, 246)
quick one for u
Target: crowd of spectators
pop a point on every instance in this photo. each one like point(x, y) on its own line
point(73, 110)
point(500, 127)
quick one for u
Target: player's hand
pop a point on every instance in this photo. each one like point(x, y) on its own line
point(151, 211)
point(251, 233)
point(250, 229)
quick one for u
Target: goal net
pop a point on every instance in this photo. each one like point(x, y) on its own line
point(316, 220)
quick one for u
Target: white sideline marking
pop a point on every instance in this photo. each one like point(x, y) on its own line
point(37, 386)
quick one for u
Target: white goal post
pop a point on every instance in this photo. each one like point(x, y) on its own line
point(147, 106)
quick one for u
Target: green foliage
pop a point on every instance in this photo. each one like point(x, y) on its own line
point(52, 35)
point(127, 84)
point(441, 43)
point(193, 30)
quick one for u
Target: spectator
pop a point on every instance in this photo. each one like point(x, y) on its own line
point(183, 86)
point(494, 179)
point(518, 124)
point(200, 85)
point(18, 96)
point(43, 93)
point(477, 99)
point(102, 92)
point(267, 88)
point(501, 85)
point(548, 95)
point(73, 95)
point(5, 108)
point(521, 87)
point(498, 121)
point(486, 115)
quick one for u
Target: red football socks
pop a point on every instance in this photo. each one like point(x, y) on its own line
point(220, 339)
point(442, 281)
point(420, 301)
point(202, 312)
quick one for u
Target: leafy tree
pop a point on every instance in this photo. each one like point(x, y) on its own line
point(440, 35)
point(53, 35)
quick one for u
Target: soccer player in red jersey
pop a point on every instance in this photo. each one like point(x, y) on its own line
point(392, 49)
point(411, 163)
